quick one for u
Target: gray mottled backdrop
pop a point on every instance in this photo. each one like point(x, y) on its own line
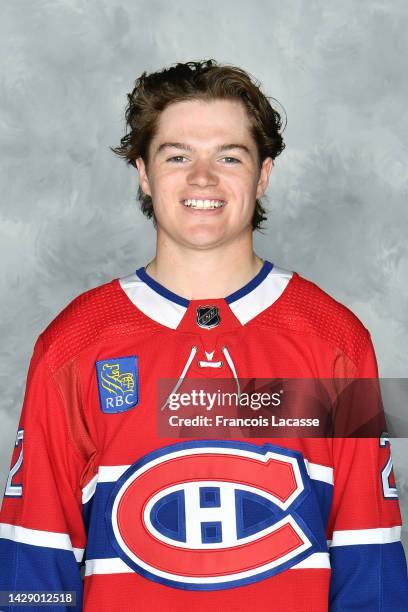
point(337, 194)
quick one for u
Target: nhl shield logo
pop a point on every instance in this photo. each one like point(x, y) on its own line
point(209, 515)
point(208, 316)
point(118, 384)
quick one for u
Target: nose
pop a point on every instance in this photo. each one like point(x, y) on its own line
point(202, 173)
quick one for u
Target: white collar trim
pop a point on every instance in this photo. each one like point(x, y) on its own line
point(152, 304)
point(168, 313)
point(263, 296)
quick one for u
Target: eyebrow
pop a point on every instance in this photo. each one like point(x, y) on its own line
point(185, 147)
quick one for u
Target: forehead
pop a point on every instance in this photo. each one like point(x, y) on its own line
point(205, 121)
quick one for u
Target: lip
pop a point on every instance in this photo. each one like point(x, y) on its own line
point(203, 211)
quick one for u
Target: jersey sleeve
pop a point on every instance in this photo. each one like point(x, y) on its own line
point(42, 533)
point(369, 570)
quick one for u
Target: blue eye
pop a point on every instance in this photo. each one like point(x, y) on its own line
point(234, 159)
point(176, 158)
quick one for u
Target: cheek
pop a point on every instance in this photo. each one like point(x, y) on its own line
point(243, 189)
point(165, 193)
point(166, 182)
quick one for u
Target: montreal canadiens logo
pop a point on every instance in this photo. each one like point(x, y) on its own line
point(207, 515)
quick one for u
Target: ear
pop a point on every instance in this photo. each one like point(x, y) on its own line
point(263, 180)
point(143, 179)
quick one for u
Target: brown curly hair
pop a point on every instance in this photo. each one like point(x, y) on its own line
point(203, 80)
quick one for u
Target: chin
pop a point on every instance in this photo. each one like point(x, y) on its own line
point(202, 242)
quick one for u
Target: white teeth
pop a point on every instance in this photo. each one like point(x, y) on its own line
point(203, 203)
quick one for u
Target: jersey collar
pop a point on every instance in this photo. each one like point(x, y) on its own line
point(167, 308)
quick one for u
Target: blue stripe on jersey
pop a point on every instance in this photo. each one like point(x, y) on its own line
point(37, 568)
point(324, 495)
point(257, 280)
point(98, 545)
point(363, 575)
point(313, 513)
point(153, 284)
point(170, 295)
point(87, 513)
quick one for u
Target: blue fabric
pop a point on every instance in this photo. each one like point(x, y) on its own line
point(369, 577)
point(39, 568)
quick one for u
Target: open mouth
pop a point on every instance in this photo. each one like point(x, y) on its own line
point(203, 204)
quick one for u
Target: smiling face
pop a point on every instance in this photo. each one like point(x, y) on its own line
point(203, 173)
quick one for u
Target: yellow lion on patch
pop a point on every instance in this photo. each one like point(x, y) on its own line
point(115, 382)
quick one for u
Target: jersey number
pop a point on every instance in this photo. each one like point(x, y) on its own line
point(389, 492)
point(14, 489)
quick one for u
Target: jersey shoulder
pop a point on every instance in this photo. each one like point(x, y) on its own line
point(304, 308)
point(100, 311)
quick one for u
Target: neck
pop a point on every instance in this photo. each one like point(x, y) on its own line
point(202, 274)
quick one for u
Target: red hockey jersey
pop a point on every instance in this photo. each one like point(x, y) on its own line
point(97, 502)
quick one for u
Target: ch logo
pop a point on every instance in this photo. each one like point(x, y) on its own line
point(208, 515)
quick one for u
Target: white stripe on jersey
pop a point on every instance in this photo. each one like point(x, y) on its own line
point(117, 566)
point(36, 537)
point(377, 535)
point(89, 489)
point(320, 472)
point(111, 473)
point(316, 561)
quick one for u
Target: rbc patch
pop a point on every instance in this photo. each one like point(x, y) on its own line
point(118, 383)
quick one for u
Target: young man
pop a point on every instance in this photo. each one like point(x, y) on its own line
point(285, 524)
